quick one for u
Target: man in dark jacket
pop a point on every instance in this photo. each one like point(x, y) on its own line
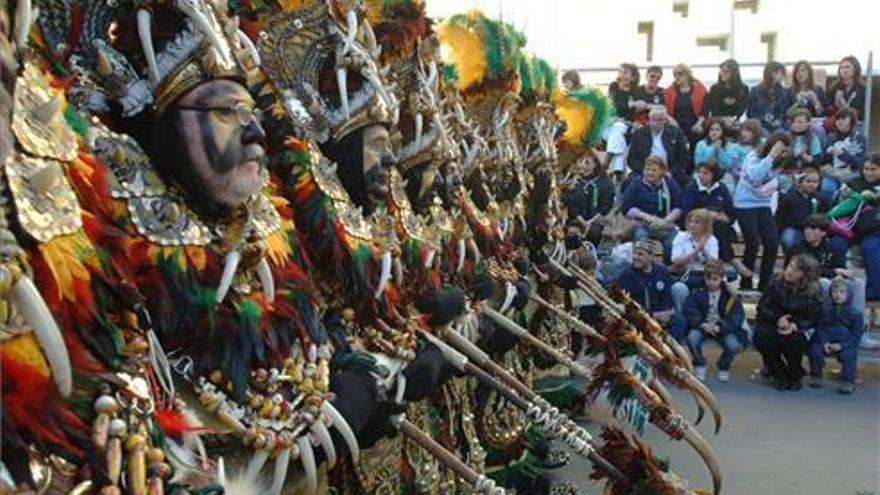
point(713, 312)
point(650, 284)
point(663, 139)
point(815, 244)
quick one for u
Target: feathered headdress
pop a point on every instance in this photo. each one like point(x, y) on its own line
point(586, 113)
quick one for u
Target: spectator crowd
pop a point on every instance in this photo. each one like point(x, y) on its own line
point(687, 171)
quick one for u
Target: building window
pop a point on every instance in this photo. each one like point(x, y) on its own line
point(647, 28)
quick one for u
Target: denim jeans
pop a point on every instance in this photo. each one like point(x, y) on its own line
point(759, 226)
point(870, 246)
point(730, 345)
point(828, 188)
point(790, 238)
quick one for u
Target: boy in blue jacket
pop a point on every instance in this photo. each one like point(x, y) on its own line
point(713, 312)
point(650, 284)
point(838, 334)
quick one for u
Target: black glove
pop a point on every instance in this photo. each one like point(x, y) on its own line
point(567, 282)
point(523, 289)
point(443, 306)
point(357, 398)
point(484, 287)
point(379, 425)
point(428, 371)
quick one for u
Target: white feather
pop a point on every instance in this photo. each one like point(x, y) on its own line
point(230, 266)
point(266, 279)
point(342, 85)
point(385, 275)
point(145, 33)
point(307, 456)
point(344, 430)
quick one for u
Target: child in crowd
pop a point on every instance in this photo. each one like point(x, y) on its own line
point(796, 205)
point(714, 312)
point(708, 192)
point(838, 334)
point(751, 135)
point(845, 152)
point(806, 147)
point(816, 244)
point(714, 146)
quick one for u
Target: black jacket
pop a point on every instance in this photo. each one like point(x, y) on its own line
point(725, 101)
point(828, 260)
point(777, 300)
point(677, 155)
point(794, 208)
point(589, 198)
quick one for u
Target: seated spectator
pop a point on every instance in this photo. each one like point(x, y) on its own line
point(806, 148)
point(815, 243)
point(845, 152)
point(648, 94)
point(788, 313)
point(571, 80)
point(685, 102)
point(650, 284)
point(796, 205)
point(804, 91)
point(865, 191)
point(838, 334)
point(714, 146)
point(751, 200)
point(621, 92)
point(849, 89)
point(653, 200)
point(661, 139)
point(769, 101)
point(690, 250)
point(714, 312)
point(729, 97)
point(590, 197)
point(708, 192)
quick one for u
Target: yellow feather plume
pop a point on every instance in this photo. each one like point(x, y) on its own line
point(465, 49)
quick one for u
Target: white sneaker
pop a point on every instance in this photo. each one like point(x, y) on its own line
point(700, 373)
point(868, 342)
point(724, 376)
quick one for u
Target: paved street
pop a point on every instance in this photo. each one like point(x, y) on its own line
point(812, 442)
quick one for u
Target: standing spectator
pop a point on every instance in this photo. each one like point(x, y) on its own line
point(804, 91)
point(796, 205)
point(715, 146)
point(621, 93)
point(622, 90)
point(751, 200)
point(685, 99)
point(653, 200)
point(707, 191)
point(845, 152)
point(865, 191)
point(729, 97)
point(648, 94)
point(650, 285)
point(838, 334)
point(660, 139)
point(590, 197)
point(788, 313)
point(806, 147)
point(714, 312)
point(751, 135)
point(571, 80)
point(769, 101)
point(849, 90)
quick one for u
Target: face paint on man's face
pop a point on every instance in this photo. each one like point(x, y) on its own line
point(224, 153)
point(376, 163)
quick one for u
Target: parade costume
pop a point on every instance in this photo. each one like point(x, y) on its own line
point(208, 346)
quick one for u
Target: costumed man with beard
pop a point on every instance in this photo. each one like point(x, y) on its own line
point(222, 337)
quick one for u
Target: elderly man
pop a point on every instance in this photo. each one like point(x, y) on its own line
point(662, 139)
